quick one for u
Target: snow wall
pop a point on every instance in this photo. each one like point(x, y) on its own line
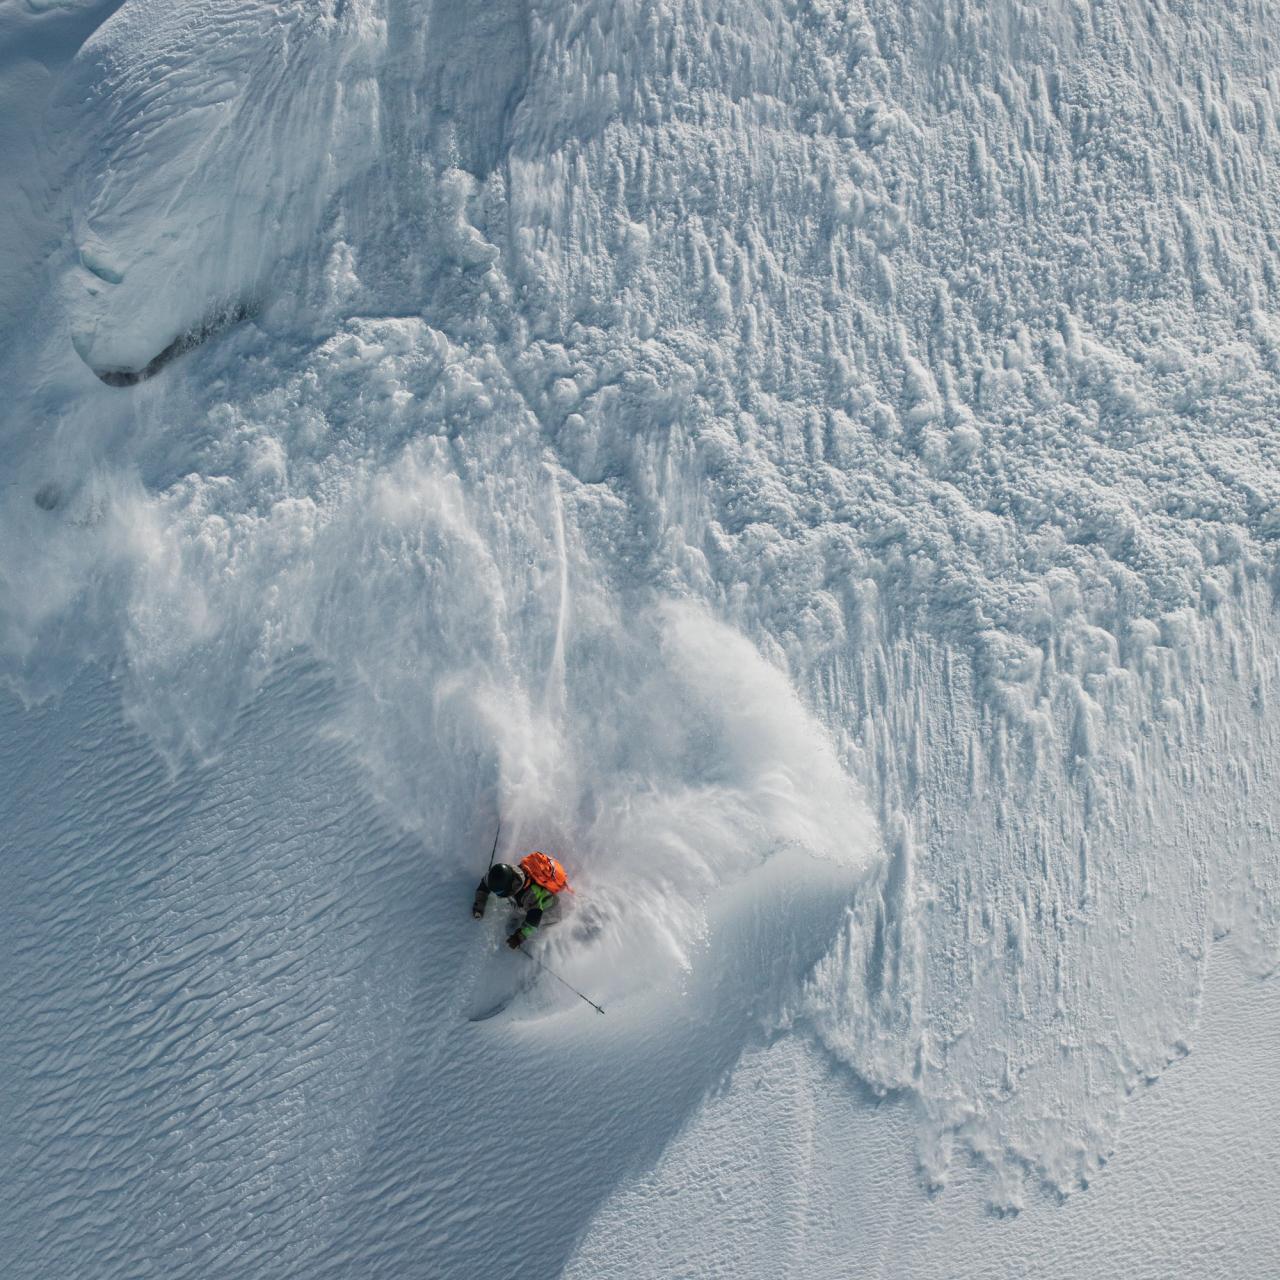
point(810, 466)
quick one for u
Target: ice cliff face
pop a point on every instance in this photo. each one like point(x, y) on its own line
point(813, 465)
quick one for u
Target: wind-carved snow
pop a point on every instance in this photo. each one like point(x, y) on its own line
point(810, 465)
point(195, 180)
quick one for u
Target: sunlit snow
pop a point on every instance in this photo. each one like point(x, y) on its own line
point(810, 465)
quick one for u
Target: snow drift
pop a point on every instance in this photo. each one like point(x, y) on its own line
point(808, 466)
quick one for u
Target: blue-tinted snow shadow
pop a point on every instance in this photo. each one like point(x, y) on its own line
point(51, 35)
point(204, 965)
point(268, 986)
point(537, 1121)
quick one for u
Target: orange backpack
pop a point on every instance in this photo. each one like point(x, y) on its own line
point(545, 871)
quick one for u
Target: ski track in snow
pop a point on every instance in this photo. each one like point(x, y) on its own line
point(810, 465)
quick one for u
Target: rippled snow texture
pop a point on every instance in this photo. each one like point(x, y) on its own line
point(810, 464)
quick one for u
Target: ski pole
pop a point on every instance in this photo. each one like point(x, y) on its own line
point(494, 854)
point(559, 979)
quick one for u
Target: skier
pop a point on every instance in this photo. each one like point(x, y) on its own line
point(533, 887)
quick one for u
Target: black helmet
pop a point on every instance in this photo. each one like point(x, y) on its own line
point(504, 879)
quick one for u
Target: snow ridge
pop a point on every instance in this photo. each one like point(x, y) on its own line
point(810, 464)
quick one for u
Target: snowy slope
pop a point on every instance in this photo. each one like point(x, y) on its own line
point(809, 465)
point(1180, 1197)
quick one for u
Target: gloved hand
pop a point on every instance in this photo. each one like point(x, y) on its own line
point(477, 913)
point(515, 940)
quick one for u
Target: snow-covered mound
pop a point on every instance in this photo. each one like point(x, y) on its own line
point(810, 466)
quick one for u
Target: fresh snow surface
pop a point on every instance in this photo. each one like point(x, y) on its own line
point(809, 465)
